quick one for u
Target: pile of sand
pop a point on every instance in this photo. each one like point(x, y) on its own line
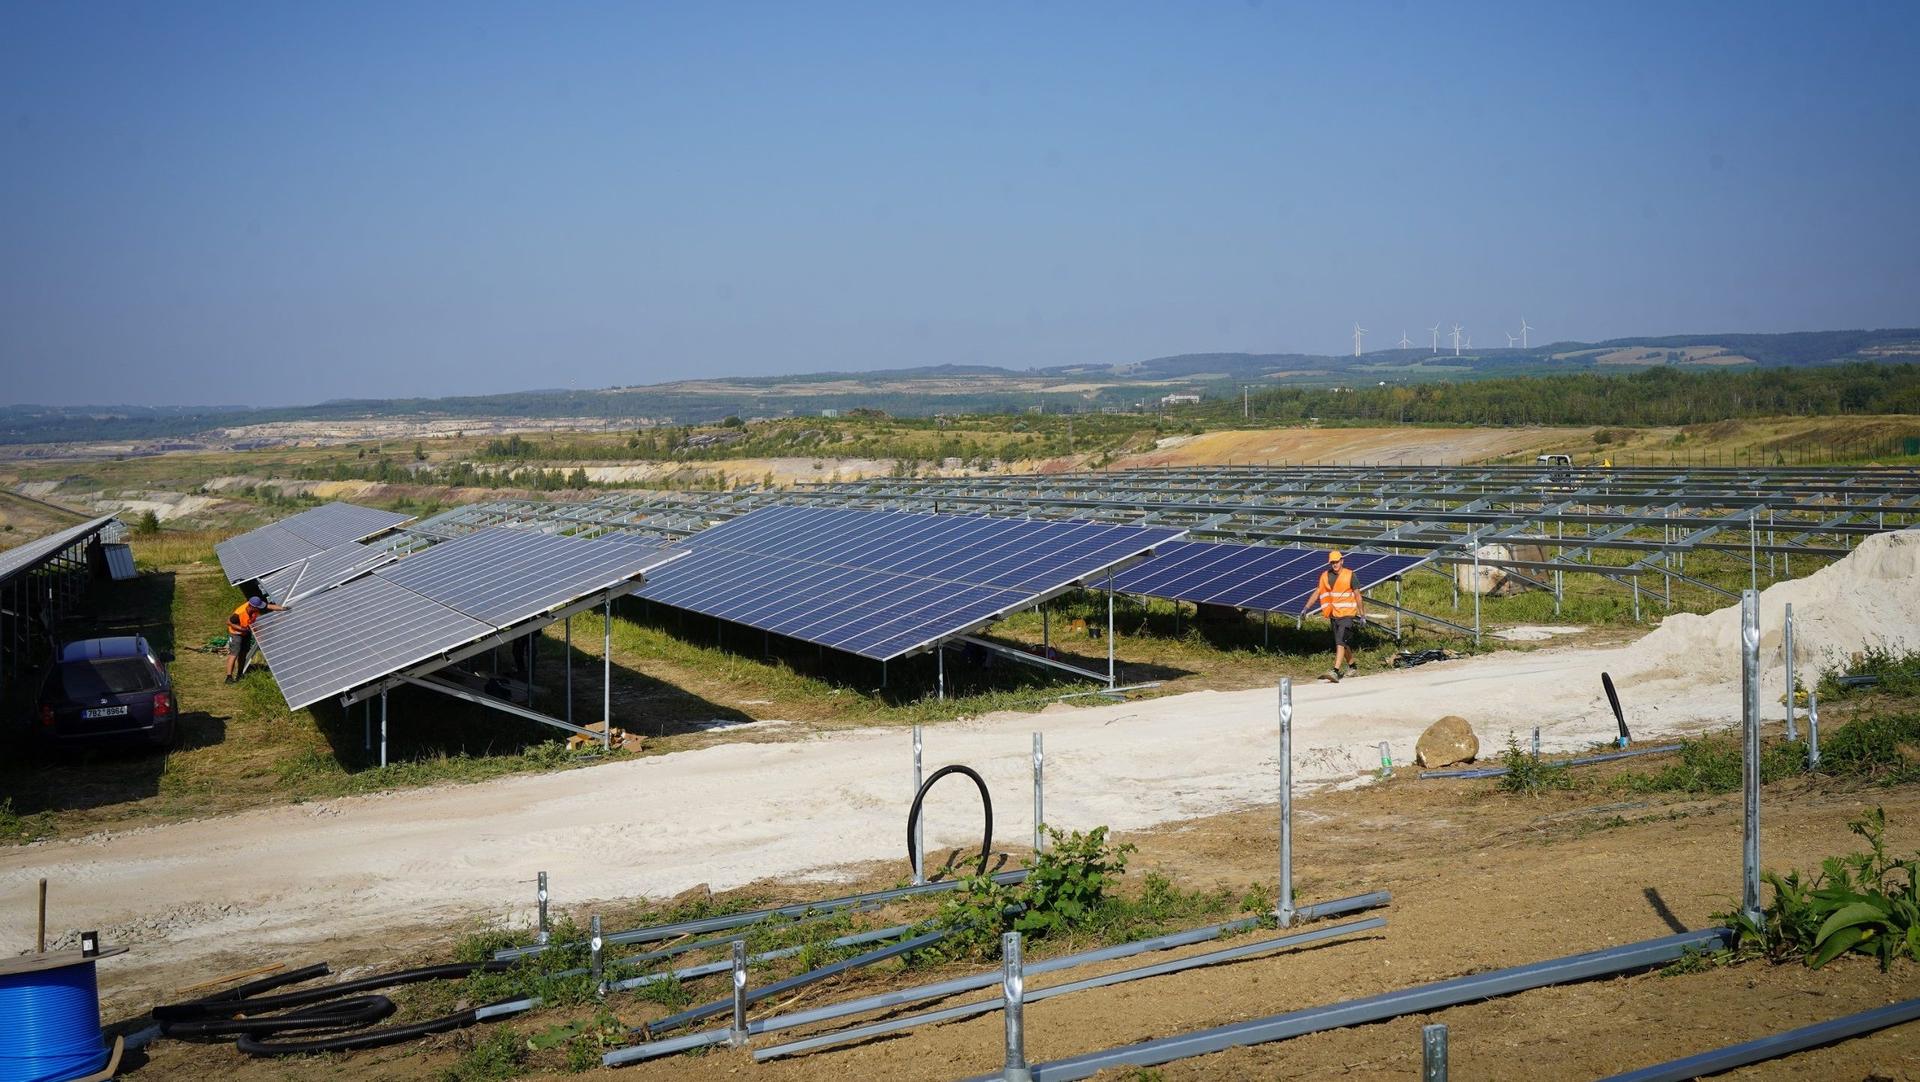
point(1870, 599)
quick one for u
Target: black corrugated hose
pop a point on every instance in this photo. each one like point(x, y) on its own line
point(986, 808)
point(334, 1007)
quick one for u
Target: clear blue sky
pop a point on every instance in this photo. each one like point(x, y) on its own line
point(269, 202)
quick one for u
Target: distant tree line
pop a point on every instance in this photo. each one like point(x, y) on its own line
point(1653, 396)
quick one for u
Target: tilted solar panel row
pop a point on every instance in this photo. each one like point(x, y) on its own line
point(886, 583)
point(294, 538)
point(1258, 577)
point(436, 602)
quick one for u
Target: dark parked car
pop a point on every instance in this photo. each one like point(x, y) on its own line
point(113, 690)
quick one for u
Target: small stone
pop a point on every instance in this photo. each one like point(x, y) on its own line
point(701, 893)
point(1446, 742)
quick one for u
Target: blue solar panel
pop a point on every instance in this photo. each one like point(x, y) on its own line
point(1249, 576)
point(369, 628)
point(322, 571)
point(272, 548)
point(430, 604)
point(504, 576)
point(885, 583)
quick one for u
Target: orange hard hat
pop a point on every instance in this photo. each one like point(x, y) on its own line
point(1334, 555)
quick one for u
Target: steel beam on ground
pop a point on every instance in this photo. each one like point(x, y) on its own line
point(1420, 999)
point(1775, 1045)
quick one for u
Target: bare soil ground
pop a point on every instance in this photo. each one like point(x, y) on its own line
point(1480, 880)
point(1391, 446)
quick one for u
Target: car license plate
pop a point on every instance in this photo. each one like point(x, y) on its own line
point(104, 712)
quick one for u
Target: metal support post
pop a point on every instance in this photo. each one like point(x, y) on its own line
point(1813, 729)
point(383, 727)
point(1753, 551)
point(597, 958)
point(940, 687)
point(540, 896)
point(606, 676)
point(1793, 731)
point(1476, 595)
point(1110, 673)
point(569, 626)
point(1636, 599)
point(366, 725)
point(1013, 989)
point(1433, 1053)
point(1039, 793)
point(1046, 628)
point(1285, 909)
point(738, 1036)
point(1536, 741)
point(1396, 610)
point(1750, 733)
point(919, 822)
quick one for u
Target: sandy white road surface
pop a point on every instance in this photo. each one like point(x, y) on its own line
point(283, 879)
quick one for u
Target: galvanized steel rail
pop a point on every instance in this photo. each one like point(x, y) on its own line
point(1416, 1000)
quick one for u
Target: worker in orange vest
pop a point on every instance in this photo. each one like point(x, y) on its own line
point(1338, 599)
point(240, 632)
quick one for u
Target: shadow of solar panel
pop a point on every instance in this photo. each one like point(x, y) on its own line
point(504, 576)
point(360, 631)
point(1258, 577)
point(884, 583)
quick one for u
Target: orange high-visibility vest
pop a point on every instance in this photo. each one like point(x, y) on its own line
point(1338, 597)
point(245, 616)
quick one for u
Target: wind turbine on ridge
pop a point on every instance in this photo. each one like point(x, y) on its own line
point(1359, 332)
point(1403, 340)
point(1523, 332)
point(1436, 337)
point(1456, 339)
point(1511, 339)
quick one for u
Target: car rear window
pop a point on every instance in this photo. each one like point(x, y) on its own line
point(94, 679)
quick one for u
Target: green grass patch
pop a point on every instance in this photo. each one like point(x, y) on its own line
point(1897, 673)
point(17, 829)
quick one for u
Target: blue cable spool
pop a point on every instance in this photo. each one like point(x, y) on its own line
point(50, 1017)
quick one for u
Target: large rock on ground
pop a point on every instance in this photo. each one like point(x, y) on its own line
point(1446, 742)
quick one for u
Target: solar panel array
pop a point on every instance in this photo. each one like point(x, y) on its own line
point(434, 603)
point(886, 583)
point(270, 548)
point(30, 555)
point(322, 571)
point(1258, 577)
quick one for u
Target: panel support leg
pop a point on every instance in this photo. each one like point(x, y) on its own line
point(606, 676)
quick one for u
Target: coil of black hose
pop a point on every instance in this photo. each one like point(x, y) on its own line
point(333, 1007)
point(986, 809)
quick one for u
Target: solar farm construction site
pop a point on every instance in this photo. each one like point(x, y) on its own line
point(1595, 704)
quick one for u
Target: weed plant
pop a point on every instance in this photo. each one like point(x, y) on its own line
point(1529, 775)
point(1866, 902)
point(1899, 674)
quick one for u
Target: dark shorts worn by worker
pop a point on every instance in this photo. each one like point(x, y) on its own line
point(1343, 630)
point(237, 644)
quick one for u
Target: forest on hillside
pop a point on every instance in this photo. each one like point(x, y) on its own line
point(1653, 396)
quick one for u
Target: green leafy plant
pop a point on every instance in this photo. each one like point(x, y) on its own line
point(1527, 774)
point(1865, 902)
point(1066, 889)
point(496, 1057)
